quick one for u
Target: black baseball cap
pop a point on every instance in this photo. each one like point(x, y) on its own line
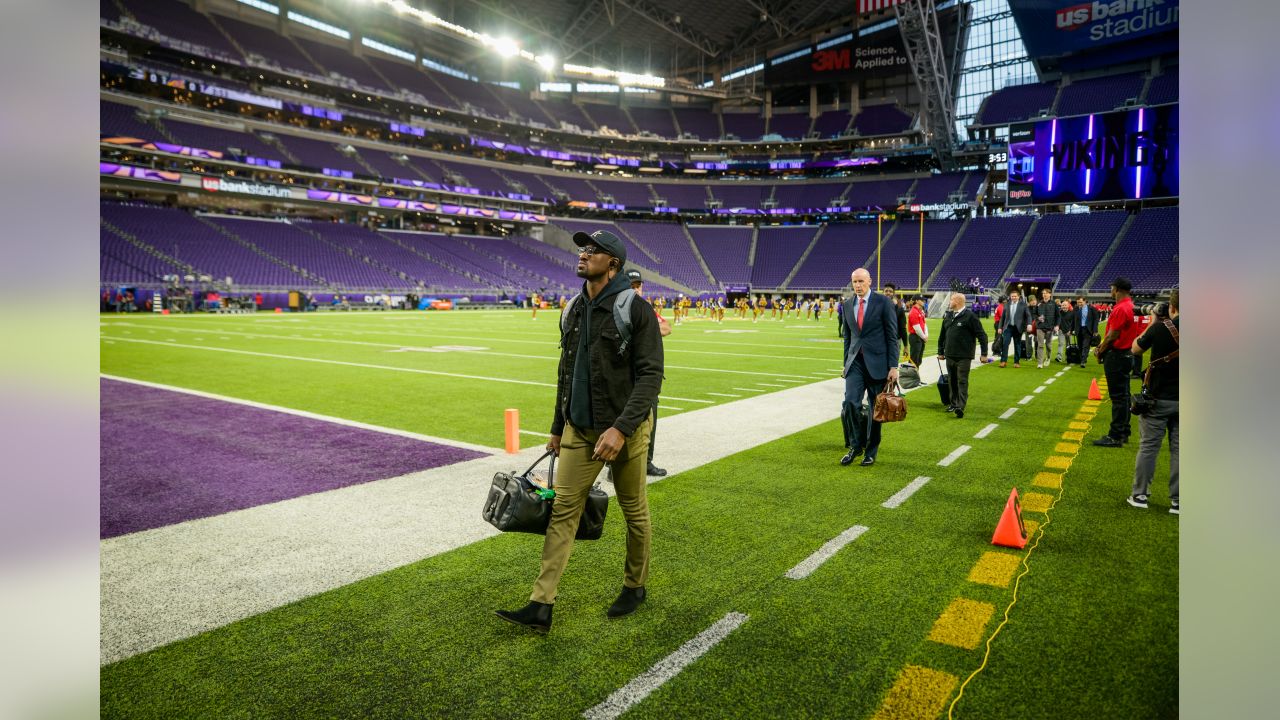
point(604, 240)
point(634, 276)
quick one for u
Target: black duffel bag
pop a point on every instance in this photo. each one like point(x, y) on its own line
point(515, 505)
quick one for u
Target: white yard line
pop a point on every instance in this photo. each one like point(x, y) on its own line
point(772, 385)
point(1051, 381)
point(207, 348)
point(631, 694)
point(1040, 389)
point(534, 433)
point(902, 495)
point(1026, 399)
point(955, 455)
point(1008, 413)
point(824, 553)
point(728, 395)
point(309, 415)
point(750, 390)
point(668, 407)
point(986, 431)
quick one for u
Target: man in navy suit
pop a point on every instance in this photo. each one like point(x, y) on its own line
point(869, 326)
point(1015, 321)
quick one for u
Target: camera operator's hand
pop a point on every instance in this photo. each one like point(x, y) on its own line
point(553, 445)
point(609, 445)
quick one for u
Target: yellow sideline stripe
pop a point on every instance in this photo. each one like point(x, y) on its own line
point(1027, 502)
point(1036, 502)
point(1073, 435)
point(1049, 480)
point(962, 623)
point(1065, 447)
point(995, 568)
point(919, 693)
point(1078, 425)
point(1083, 417)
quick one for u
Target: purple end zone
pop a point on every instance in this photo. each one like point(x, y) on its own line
point(167, 457)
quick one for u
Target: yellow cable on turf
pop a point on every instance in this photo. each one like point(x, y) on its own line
point(1026, 569)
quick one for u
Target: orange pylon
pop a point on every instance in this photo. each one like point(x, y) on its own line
point(1010, 532)
point(1094, 392)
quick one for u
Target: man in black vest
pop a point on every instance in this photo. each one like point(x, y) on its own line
point(961, 330)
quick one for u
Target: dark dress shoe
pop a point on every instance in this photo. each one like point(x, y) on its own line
point(655, 471)
point(1108, 441)
point(628, 600)
point(849, 456)
point(536, 616)
point(868, 461)
point(959, 414)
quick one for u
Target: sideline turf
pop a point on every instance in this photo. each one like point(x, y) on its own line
point(1094, 635)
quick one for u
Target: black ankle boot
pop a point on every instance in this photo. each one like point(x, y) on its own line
point(536, 616)
point(628, 600)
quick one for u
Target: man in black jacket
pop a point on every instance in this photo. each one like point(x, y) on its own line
point(900, 308)
point(607, 388)
point(961, 329)
point(1085, 323)
point(1047, 317)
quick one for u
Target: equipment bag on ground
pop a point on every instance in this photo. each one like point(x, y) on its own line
point(908, 376)
point(514, 504)
point(1073, 354)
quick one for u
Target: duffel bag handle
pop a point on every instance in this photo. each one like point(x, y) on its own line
point(551, 471)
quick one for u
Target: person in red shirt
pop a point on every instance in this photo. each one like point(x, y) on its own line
point(917, 331)
point(1115, 356)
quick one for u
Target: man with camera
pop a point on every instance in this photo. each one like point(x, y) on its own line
point(1157, 406)
point(1117, 362)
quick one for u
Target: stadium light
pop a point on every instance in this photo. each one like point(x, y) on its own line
point(546, 62)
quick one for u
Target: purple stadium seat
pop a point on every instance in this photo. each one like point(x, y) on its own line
point(1099, 94)
point(655, 120)
point(725, 249)
point(631, 194)
point(268, 44)
point(900, 258)
point(746, 126)
point(1070, 246)
point(610, 116)
point(179, 21)
point(682, 195)
point(984, 250)
point(881, 120)
point(832, 123)
point(669, 248)
point(839, 250)
point(792, 126)
point(122, 120)
point(698, 122)
point(1163, 88)
point(808, 195)
point(1016, 102)
point(777, 251)
point(320, 153)
point(215, 138)
point(936, 188)
point(307, 250)
point(1147, 254)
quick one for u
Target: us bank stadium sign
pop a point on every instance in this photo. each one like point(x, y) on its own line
point(244, 188)
point(940, 207)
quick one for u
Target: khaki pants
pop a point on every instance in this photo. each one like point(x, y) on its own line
point(575, 473)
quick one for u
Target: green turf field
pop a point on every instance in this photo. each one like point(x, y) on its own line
point(1093, 634)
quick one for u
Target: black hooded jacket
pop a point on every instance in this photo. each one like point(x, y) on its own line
point(623, 387)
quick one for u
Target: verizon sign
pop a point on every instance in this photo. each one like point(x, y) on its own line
point(244, 188)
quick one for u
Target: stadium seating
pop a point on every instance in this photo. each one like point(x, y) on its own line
point(840, 249)
point(791, 126)
point(808, 195)
point(778, 248)
point(670, 250)
point(700, 123)
point(296, 246)
point(984, 251)
point(878, 193)
point(682, 195)
point(642, 255)
point(480, 177)
point(900, 258)
point(341, 61)
point(215, 138)
point(832, 123)
point(746, 126)
point(320, 154)
point(178, 21)
point(123, 120)
point(740, 196)
point(936, 188)
point(181, 235)
point(725, 249)
point(1069, 246)
point(267, 44)
point(658, 121)
point(1016, 102)
point(881, 120)
point(1147, 254)
point(1099, 94)
point(631, 194)
point(1163, 88)
point(120, 261)
point(611, 117)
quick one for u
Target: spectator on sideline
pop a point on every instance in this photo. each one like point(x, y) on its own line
point(1029, 343)
point(602, 415)
point(1013, 323)
point(919, 331)
point(869, 326)
point(1117, 361)
point(1162, 341)
point(1086, 326)
point(664, 329)
point(1047, 329)
point(960, 331)
point(1065, 319)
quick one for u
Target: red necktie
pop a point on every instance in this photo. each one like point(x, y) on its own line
point(862, 305)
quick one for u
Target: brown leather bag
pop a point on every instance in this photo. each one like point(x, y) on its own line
point(891, 406)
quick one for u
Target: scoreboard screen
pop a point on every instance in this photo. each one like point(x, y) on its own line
point(1123, 155)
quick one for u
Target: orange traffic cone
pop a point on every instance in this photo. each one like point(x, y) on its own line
point(1094, 392)
point(1010, 532)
